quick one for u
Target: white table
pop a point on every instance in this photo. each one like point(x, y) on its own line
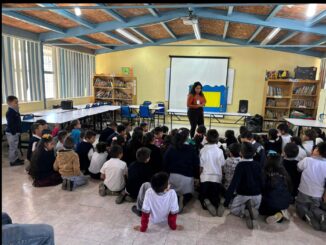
point(305, 123)
point(211, 115)
point(151, 107)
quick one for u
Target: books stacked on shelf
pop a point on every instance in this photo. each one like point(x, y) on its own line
point(270, 102)
point(300, 114)
point(305, 90)
point(121, 95)
point(303, 103)
point(120, 84)
point(103, 83)
point(103, 94)
point(274, 91)
point(275, 114)
point(268, 125)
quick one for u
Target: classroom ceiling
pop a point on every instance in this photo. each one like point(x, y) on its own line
point(297, 28)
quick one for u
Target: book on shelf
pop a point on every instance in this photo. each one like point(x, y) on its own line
point(274, 91)
point(275, 114)
point(103, 83)
point(303, 103)
point(304, 90)
point(104, 94)
point(270, 102)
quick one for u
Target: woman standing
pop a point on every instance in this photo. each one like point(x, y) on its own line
point(195, 103)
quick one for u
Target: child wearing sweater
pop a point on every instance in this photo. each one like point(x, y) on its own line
point(230, 164)
point(302, 152)
point(160, 204)
point(158, 134)
point(283, 130)
point(85, 151)
point(75, 131)
point(312, 187)
point(98, 159)
point(211, 162)
point(260, 155)
point(274, 141)
point(36, 129)
point(247, 183)
point(62, 135)
point(230, 138)
point(67, 163)
point(309, 137)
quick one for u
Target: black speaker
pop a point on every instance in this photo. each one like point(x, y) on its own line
point(243, 106)
point(67, 104)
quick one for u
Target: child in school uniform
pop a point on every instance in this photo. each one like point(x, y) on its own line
point(13, 130)
point(85, 151)
point(211, 163)
point(98, 159)
point(67, 164)
point(274, 141)
point(56, 130)
point(36, 129)
point(276, 190)
point(230, 138)
point(135, 143)
point(144, 126)
point(320, 135)
point(75, 131)
point(260, 155)
point(302, 152)
point(283, 130)
point(165, 131)
point(139, 172)
point(291, 151)
point(242, 130)
point(110, 129)
point(45, 126)
point(247, 183)
point(42, 161)
point(160, 204)
point(200, 137)
point(128, 130)
point(121, 130)
point(114, 173)
point(309, 137)
point(158, 134)
point(155, 161)
point(62, 135)
point(312, 187)
point(230, 164)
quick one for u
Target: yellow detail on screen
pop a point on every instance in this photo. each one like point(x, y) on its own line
point(213, 99)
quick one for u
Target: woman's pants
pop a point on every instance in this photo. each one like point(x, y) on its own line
point(196, 117)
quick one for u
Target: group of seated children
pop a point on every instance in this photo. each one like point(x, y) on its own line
point(159, 169)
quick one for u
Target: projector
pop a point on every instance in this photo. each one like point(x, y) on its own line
point(189, 21)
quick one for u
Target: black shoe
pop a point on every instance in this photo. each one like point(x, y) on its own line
point(64, 184)
point(17, 162)
point(249, 221)
point(70, 185)
point(252, 211)
point(135, 210)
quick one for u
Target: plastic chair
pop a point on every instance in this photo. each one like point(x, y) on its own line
point(145, 113)
point(126, 113)
point(148, 103)
point(160, 112)
point(26, 129)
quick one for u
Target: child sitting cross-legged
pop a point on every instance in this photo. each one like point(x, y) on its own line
point(67, 163)
point(211, 162)
point(85, 151)
point(247, 183)
point(62, 135)
point(114, 173)
point(230, 163)
point(159, 203)
point(276, 190)
point(98, 159)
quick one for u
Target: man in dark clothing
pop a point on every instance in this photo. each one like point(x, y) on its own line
point(121, 130)
point(112, 127)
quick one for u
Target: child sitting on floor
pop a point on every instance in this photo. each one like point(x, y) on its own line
point(36, 129)
point(312, 187)
point(230, 138)
point(230, 164)
point(114, 173)
point(75, 128)
point(283, 130)
point(211, 162)
point(67, 163)
point(320, 136)
point(276, 190)
point(274, 141)
point(158, 134)
point(144, 126)
point(85, 151)
point(302, 152)
point(160, 204)
point(247, 183)
point(62, 135)
point(260, 155)
point(98, 159)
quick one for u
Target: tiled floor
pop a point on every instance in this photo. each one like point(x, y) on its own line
point(83, 217)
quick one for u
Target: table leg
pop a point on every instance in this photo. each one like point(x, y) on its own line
point(210, 121)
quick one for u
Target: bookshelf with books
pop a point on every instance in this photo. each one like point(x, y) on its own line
point(116, 90)
point(289, 98)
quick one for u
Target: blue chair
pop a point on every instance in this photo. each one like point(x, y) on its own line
point(160, 112)
point(126, 113)
point(148, 103)
point(145, 113)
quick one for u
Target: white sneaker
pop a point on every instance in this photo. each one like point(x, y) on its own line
point(285, 214)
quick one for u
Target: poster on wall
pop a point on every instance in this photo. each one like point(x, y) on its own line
point(127, 71)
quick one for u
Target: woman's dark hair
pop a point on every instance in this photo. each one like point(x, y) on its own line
point(36, 154)
point(160, 182)
point(101, 147)
point(193, 92)
point(272, 133)
point(229, 134)
point(148, 138)
point(274, 165)
point(297, 141)
point(319, 133)
point(180, 138)
point(235, 149)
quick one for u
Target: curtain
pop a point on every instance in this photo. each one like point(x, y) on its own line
point(74, 72)
point(21, 69)
point(323, 73)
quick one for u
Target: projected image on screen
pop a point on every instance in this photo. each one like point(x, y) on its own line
point(211, 72)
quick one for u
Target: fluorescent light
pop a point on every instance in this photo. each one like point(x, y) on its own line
point(311, 10)
point(77, 11)
point(270, 36)
point(196, 31)
point(129, 36)
point(290, 6)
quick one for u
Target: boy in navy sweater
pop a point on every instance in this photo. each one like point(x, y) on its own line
point(13, 130)
point(36, 129)
point(247, 183)
point(85, 150)
point(259, 155)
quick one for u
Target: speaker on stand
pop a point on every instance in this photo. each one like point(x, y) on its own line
point(243, 106)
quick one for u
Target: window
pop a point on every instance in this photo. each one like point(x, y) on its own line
point(50, 85)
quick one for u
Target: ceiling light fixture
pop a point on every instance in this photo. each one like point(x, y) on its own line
point(311, 10)
point(196, 31)
point(270, 36)
point(129, 36)
point(78, 11)
point(290, 6)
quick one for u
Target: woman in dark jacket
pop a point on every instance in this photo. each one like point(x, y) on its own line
point(155, 161)
point(276, 193)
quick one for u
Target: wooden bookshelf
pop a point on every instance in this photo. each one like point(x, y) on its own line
point(119, 90)
point(293, 98)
